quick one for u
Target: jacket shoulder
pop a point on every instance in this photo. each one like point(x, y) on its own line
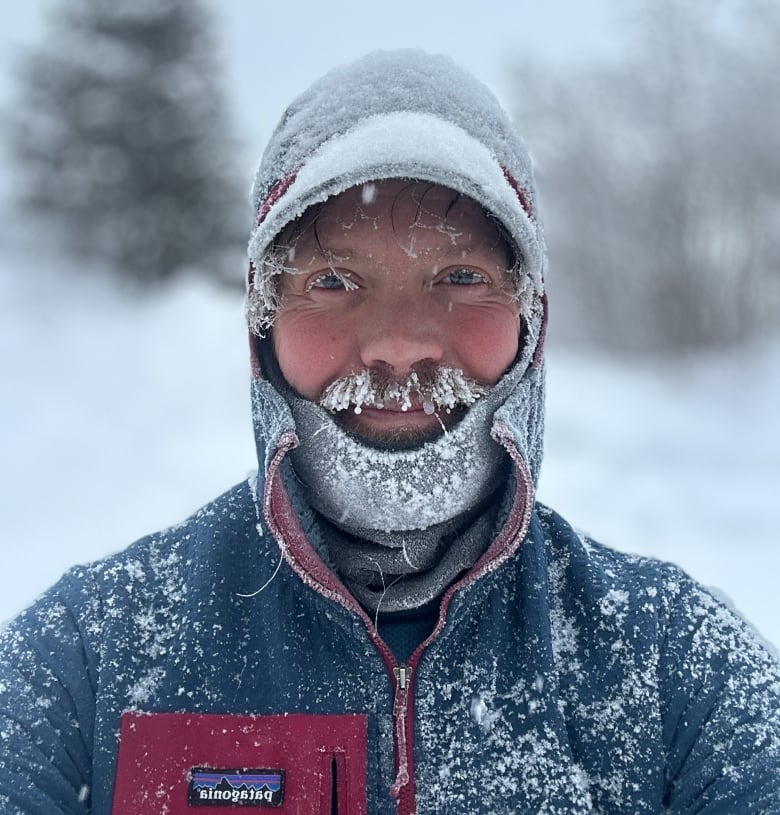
point(716, 683)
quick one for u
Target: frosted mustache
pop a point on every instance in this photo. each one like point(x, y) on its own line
point(442, 387)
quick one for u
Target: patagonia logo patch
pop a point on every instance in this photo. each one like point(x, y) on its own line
point(236, 788)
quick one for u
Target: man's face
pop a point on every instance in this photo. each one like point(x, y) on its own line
point(396, 277)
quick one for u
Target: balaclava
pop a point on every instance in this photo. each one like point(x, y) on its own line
point(420, 517)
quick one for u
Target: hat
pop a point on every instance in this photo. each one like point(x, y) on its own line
point(400, 114)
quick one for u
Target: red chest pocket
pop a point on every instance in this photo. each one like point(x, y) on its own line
point(294, 764)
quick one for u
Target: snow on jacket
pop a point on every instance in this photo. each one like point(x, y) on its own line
point(221, 662)
point(567, 679)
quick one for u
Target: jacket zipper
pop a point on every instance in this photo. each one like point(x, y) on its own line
point(403, 675)
point(277, 509)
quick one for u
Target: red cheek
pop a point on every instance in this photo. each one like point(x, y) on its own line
point(311, 354)
point(486, 343)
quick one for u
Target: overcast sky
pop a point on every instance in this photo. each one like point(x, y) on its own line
point(272, 51)
point(270, 58)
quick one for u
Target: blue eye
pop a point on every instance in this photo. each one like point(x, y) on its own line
point(464, 277)
point(332, 281)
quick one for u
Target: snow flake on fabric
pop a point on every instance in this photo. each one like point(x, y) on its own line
point(507, 728)
point(143, 690)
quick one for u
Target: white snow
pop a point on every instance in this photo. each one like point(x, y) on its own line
point(121, 415)
point(481, 712)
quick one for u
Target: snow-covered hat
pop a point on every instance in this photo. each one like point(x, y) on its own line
point(400, 114)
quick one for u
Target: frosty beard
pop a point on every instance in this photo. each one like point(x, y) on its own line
point(437, 391)
point(405, 482)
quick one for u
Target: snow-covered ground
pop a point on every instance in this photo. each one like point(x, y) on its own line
point(122, 414)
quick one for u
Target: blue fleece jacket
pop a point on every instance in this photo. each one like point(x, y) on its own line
point(570, 679)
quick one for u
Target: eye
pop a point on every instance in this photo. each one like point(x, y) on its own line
point(332, 280)
point(464, 277)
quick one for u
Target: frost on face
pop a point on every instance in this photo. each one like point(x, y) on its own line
point(386, 490)
point(364, 487)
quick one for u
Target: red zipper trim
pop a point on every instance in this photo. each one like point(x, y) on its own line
point(402, 676)
point(308, 565)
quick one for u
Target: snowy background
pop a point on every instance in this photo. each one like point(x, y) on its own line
point(272, 51)
point(122, 413)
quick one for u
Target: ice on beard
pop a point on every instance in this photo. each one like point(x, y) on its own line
point(446, 388)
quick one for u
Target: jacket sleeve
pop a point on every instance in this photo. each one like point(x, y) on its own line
point(47, 706)
point(722, 712)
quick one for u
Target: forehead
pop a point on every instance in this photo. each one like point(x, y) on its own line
point(400, 209)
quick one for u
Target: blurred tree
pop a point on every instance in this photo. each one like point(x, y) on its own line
point(660, 177)
point(120, 136)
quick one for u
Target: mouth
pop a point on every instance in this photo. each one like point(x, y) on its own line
point(398, 427)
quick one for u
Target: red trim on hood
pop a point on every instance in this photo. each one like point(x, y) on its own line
point(538, 359)
point(274, 194)
point(523, 194)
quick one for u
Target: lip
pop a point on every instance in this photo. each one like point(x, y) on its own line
point(392, 425)
point(394, 414)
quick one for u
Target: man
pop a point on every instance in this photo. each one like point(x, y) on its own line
point(383, 620)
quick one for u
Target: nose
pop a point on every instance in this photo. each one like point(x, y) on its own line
point(399, 334)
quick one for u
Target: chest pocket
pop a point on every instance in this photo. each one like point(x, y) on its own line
point(295, 764)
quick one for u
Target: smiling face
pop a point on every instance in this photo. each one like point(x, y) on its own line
point(395, 278)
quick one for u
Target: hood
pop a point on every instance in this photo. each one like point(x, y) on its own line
point(411, 115)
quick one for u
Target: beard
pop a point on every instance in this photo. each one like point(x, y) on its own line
point(441, 392)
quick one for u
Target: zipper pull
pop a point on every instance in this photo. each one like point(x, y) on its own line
point(403, 675)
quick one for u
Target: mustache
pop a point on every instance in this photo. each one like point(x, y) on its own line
point(436, 387)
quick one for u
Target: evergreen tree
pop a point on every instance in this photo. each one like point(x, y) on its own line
point(120, 136)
